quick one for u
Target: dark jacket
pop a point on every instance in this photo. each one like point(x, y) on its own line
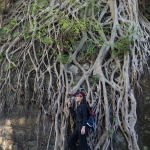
point(80, 114)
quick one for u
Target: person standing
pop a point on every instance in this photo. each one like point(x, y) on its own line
point(81, 115)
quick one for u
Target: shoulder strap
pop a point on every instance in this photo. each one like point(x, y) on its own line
point(91, 112)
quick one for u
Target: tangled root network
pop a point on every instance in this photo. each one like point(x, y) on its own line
point(50, 49)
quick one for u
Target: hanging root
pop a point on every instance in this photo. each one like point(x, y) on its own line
point(41, 41)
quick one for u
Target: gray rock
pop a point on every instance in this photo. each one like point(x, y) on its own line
point(86, 66)
point(74, 69)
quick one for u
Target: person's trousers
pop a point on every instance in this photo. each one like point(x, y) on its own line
point(76, 135)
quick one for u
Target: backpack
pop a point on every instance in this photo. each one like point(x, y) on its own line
point(91, 118)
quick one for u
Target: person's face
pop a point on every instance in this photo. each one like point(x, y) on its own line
point(78, 98)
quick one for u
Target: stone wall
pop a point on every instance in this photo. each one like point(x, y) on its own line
point(19, 129)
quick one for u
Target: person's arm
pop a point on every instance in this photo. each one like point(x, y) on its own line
point(73, 113)
point(84, 112)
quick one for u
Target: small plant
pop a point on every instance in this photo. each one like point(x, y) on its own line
point(5, 29)
point(70, 30)
point(40, 53)
point(65, 23)
point(90, 50)
point(34, 8)
point(63, 58)
point(42, 31)
point(12, 22)
point(115, 119)
point(2, 55)
point(26, 35)
point(94, 79)
point(101, 42)
point(16, 34)
point(111, 131)
point(106, 29)
point(10, 66)
point(14, 58)
point(46, 40)
point(72, 27)
point(122, 46)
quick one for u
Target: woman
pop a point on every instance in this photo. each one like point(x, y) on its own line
point(80, 131)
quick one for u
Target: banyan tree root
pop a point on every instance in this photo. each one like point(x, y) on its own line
point(39, 43)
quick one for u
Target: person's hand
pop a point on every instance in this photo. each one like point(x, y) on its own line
point(83, 130)
point(69, 104)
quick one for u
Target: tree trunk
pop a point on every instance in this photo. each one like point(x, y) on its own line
point(41, 41)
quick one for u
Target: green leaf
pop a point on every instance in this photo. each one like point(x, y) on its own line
point(47, 40)
point(10, 66)
point(111, 131)
point(63, 58)
point(115, 119)
point(1, 59)
point(16, 34)
point(14, 58)
point(5, 30)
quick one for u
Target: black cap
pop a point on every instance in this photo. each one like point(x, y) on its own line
point(79, 93)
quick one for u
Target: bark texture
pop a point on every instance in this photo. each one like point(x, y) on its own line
point(41, 40)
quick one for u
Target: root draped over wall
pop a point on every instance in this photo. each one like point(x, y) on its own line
point(41, 41)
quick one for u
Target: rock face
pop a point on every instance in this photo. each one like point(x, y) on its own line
point(20, 126)
point(143, 111)
point(73, 69)
point(19, 130)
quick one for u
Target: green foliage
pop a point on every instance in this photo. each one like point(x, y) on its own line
point(2, 55)
point(65, 23)
point(101, 41)
point(90, 51)
point(72, 27)
point(54, 53)
point(16, 34)
point(26, 35)
point(121, 47)
point(36, 7)
point(40, 54)
point(63, 58)
point(41, 35)
point(42, 3)
point(14, 58)
point(67, 45)
point(106, 29)
point(111, 131)
point(94, 79)
point(46, 40)
point(42, 31)
point(71, 30)
point(26, 31)
point(10, 66)
point(13, 22)
point(115, 119)
point(6, 29)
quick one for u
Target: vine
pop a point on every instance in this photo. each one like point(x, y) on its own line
point(43, 39)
